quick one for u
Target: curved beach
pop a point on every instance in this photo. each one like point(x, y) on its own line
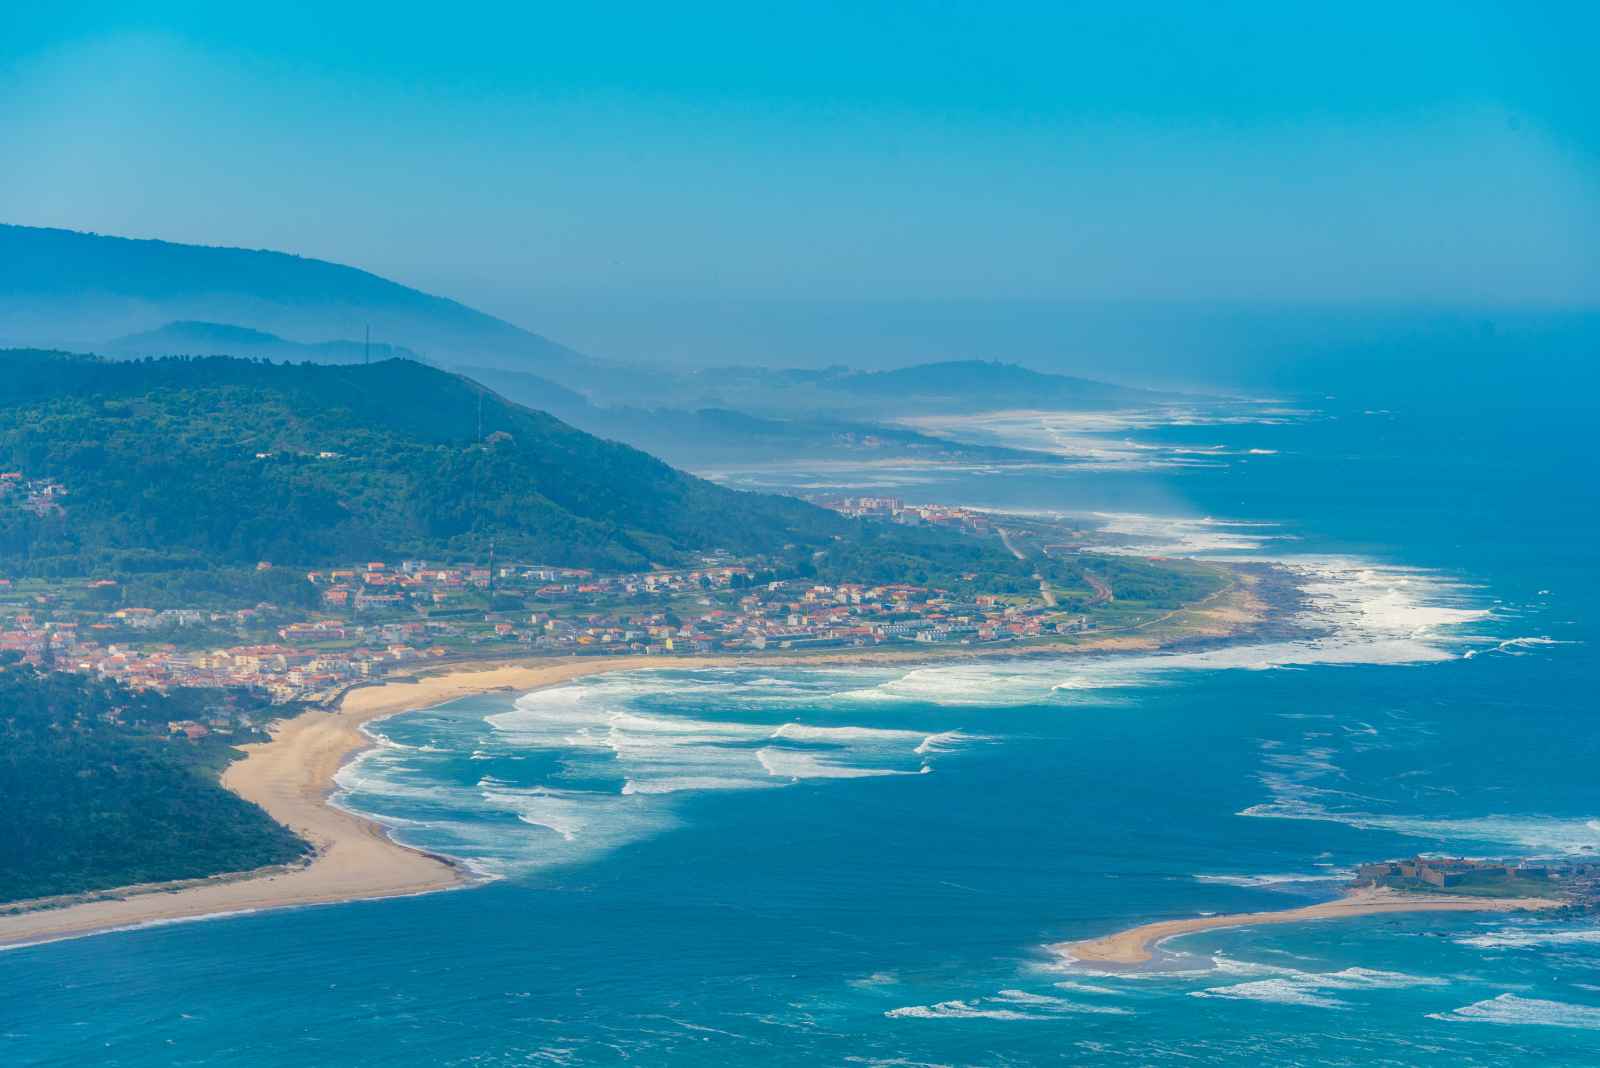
point(292, 777)
point(1137, 945)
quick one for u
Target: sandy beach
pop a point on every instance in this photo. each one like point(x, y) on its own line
point(292, 777)
point(1137, 944)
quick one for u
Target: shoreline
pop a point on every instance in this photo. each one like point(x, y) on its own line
point(1137, 945)
point(292, 776)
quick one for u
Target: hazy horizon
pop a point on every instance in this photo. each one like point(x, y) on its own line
point(592, 176)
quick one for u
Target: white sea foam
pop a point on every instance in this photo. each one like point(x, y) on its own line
point(1006, 1005)
point(1273, 881)
point(1277, 991)
point(1531, 834)
point(1512, 1009)
point(1355, 613)
point(804, 732)
point(688, 784)
point(945, 741)
point(608, 757)
point(1099, 439)
point(1527, 937)
point(791, 764)
point(958, 1010)
point(1088, 988)
point(1151, 535)
point(1314, 989)
point(1517, 646)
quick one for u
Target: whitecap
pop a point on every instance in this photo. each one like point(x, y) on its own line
point(1512, 1009)
point(1005, 1005)
point(1285, 879)
point(1526, 937)
point(1312, 989)
point(794, 764)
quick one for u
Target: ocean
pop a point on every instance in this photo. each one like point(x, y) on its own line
point(865, 865)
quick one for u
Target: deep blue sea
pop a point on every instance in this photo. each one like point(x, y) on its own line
point(865, 865)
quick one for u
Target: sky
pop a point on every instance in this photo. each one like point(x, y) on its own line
point(599, 172)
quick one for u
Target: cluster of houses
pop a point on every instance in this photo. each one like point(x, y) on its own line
point(291, 669)
point(286, 672)
point(378, 616)
point(794, 615)
point(896, 510)
point(41, 496)
point(419, 583)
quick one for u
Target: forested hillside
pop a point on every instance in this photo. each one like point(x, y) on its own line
point(230, 461)
point(98, 792)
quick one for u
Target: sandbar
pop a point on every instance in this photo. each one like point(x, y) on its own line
point(1137, 945)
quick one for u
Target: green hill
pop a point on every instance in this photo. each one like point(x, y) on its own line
point(96, 794)
point(224, 461)
point(208, 465)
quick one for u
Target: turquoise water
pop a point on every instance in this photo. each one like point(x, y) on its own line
point(865, 865)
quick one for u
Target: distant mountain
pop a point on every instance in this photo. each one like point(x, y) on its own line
point(64, 289)
point(189, 338)
point(717, 436)
point(956, 386)
point(61, 287)
point(840, 393)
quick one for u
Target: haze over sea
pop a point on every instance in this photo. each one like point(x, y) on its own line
point(863, 865)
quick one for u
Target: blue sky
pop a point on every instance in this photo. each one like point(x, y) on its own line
point(543, 159)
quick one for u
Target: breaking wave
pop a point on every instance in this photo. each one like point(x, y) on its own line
point(584, 768)
point(1314, 989)
point(1511, 1009)
point(1006, 1005)
point(1526, 937)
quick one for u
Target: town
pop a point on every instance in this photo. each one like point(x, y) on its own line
point(375, 617)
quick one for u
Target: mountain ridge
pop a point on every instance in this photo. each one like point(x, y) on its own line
point(112, 286)
point(193, 337)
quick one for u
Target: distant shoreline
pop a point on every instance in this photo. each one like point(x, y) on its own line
point(1137, 945)
point(292, 777)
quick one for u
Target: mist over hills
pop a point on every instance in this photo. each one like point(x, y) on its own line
point(64, 288)
point(191, 338)
point(125, 297)
point(948, 386)
point(691, 436)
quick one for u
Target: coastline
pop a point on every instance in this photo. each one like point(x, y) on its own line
point(292, 776)
point(1137, 945)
